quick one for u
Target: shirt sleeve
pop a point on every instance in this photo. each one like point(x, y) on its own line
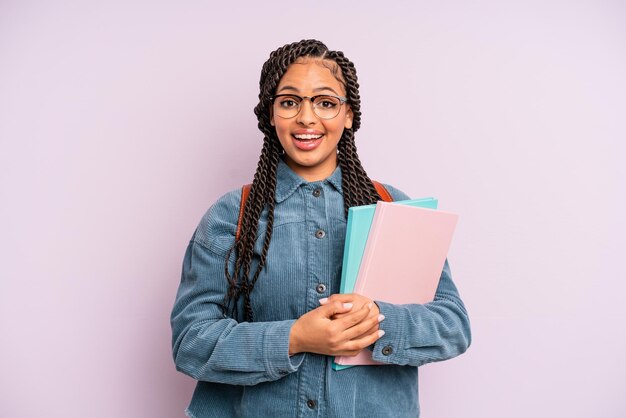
point(416, 334)
point(206, 344)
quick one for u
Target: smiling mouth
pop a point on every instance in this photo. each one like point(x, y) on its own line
point(307, 142)
point(307, 137)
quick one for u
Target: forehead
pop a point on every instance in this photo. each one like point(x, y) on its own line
point(308, 74)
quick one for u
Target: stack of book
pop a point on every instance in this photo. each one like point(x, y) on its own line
point(394, 252)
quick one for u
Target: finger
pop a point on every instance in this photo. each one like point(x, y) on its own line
point(375, 328)
point(365, 327)
point(333, 308)
point(374, 319)
point(356, 306)
point(343, 297)
point(354, 317)
point(339, 316)
point(357, 345)
point(337, 297)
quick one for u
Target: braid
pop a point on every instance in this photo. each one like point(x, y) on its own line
point(261, 194)
point(358, 188)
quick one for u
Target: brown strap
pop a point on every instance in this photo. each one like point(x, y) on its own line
point(245, 191)
point(382, 191)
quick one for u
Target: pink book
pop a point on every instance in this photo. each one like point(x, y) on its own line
point(405, 253)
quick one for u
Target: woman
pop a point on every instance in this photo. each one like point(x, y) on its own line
point(257, 316)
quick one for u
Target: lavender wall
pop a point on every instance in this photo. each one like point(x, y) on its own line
point(120, 123)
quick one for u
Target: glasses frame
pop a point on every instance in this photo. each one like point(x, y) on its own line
point(341, 99)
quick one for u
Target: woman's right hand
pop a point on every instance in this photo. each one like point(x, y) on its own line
point(316, 332)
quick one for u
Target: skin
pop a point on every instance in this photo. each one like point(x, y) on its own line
point(343, 324)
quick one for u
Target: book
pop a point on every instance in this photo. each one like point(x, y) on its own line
point(403, 258)
point(357, 229)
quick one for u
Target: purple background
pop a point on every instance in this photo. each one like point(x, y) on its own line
point(122, 121)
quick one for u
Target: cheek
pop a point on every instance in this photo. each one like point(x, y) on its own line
point(336, 127)
point(282, 131)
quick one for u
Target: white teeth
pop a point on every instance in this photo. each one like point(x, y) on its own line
point(307, 136)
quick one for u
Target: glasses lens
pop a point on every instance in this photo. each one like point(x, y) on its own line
point(287, 106)
point(327, 107)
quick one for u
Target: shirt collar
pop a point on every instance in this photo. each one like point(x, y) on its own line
point(287, 181)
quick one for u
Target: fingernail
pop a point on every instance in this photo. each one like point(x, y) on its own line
point(347, 305)
point(380, 333)
point(381, 317)
point(323, 301)
point(369, 305)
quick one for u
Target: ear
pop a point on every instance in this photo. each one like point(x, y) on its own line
point(272, 115)
point(349, 116)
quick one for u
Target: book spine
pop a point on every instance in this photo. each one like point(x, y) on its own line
point(371, 242)
point(346, 252)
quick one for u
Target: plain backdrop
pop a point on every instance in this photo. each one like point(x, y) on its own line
point(122, 121)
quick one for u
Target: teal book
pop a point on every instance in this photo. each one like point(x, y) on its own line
point(357, 230)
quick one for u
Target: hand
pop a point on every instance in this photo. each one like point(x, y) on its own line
point(357, 301)
point(316, 331)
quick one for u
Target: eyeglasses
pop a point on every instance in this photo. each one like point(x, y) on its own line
point(325, 106)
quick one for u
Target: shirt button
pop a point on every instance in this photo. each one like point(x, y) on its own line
point(319, 234)
point(321, 288)
point(387, 350)
point(317, 192)
point(311, 403)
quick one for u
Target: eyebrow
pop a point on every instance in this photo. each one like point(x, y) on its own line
point(297, 90)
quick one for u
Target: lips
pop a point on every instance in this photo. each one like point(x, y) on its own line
point(307, 141)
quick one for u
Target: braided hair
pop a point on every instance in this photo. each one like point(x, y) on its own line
point(357, 186)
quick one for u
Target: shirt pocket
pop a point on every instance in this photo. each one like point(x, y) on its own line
point(283, 225)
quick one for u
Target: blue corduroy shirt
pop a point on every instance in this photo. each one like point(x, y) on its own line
point(244, 368)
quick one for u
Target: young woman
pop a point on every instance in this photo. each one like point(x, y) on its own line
point(257, 317)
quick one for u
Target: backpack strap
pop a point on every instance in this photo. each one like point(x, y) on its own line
point(245, 192)
point(382, 191)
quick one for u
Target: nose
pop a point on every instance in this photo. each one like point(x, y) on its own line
point(306, 116)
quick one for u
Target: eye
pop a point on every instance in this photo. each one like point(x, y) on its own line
point(288, 102)
point(327, 102)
